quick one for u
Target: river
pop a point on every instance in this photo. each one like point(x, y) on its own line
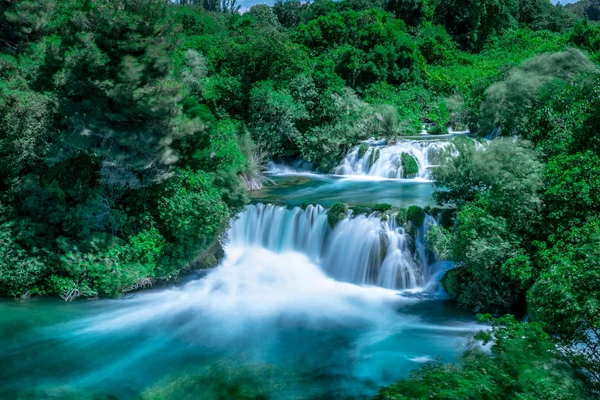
point(296, 310)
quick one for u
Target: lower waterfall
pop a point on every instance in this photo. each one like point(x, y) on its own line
point(367, 250)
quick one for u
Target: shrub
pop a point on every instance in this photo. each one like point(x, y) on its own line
point(382, 207)
point(436, 130)
point(19, 271)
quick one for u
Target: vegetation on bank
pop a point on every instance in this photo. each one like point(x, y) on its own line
point(130, 130)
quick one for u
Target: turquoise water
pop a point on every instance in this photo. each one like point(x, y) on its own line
point(47, 352)
point(295, 190)
point(272, 321)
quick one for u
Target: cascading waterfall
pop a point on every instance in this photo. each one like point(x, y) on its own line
point(360, 249)
point(386, 162)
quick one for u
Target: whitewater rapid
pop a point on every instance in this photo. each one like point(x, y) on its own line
point(361, 249)
point(386, 161)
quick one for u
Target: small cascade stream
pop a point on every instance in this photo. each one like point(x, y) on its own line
point(386, 162)
point(361, 249)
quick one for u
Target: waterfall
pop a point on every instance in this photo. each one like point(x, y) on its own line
point(361, 249)
point(386, 162)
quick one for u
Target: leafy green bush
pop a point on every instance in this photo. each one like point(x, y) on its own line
point(381, 208)
point(191, 207)
point(19, 271)
point(436, 130)
point(524, 364)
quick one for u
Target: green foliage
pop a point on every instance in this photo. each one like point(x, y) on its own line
point(19, 271)
point(478, 20)
point(480, 246)
point(381, 208)
point(288, 12)
point(507, 171)
point(572, 189)
point(587, 37)
point(191, 208)
point(366, 46)
point(26, 120)
point(566, 296)
point(413, 12)
point(274, 117)
point(588, 9)
point(497, 191)
point(523, 364)
point(336, 213)
point(436, 45)
point(508, 104)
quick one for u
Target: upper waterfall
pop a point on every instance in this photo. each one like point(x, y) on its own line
point(391, 161)
point(359, 249)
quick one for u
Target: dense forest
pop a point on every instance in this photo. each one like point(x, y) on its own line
point(132, 129)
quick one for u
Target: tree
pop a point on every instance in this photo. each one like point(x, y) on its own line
point(117, 94)
point(509, 104)
point(572, 189)
point(566, 297)
point(413, 12)
point(472, 22)
point(497, 192)
point(274, 117)
point(288, 12)
point(366, 46)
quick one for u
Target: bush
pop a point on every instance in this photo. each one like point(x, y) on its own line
point(19, 271)
point(381, 208)
point(336, 213)
point(191, 207)
point(524, 364)
point(436, 130)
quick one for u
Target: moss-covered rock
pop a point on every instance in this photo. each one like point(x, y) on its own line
point(336, 213)
point(362, 150)
point(401, 216)
point(415, 215)
point(210, 257)
point(454, 280)
point(374, 157)
point(326, 165)
point(410, 166)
